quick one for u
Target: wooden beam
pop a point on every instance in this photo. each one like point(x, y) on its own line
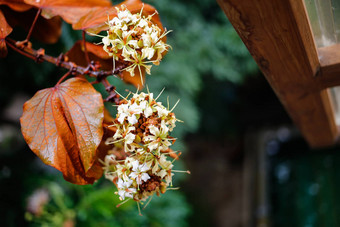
point(277, 34)
point(330, 66)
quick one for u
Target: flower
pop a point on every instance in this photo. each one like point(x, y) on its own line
point(135, 40)
point(161, 110)
point(162, 168)
point(123, 170)
point(124, 189)
point(166, 166)
point(129, 111)
point(139, 172)
point(164, 163)
point(37, 200)
point(158, 137)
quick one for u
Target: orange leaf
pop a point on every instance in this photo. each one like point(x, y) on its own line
point(135, 80)
point(96, 53)
point(108, 119)
point(46, 31)
point(97, 169)
point(63, 127)
point(95, 20)
point(5, 30)
point(70, 10)
point(17, 5)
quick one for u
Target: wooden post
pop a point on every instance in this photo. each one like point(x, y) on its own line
point(278, 35)
point(330, 66)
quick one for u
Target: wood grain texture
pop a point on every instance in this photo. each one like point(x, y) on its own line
point(277, 34)
point(330, 66)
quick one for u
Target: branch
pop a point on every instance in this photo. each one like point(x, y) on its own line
point(113, 96)
point(40, 56)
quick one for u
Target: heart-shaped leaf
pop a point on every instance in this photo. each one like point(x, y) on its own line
point(103, 148)
point(5, 30)
point(45, 30)
point(96, 19)
point(63, 125)
point(70, 10)
point(17, 5)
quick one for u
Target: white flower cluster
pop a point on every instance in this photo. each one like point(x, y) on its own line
point(142, 131)
point(134, 39)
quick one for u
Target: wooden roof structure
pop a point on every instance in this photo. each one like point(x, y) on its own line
point(278, 35)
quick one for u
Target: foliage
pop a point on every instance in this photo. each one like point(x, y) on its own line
point(92, 206)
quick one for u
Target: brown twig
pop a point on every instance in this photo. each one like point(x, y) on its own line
point(113, 96)
point(60, 61)
point(14, 47)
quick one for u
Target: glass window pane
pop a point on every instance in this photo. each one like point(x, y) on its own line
point(335, 95)
point(324, 16)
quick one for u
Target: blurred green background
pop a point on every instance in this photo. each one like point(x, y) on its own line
point(223, 97)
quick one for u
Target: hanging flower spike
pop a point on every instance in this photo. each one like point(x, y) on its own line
point(144, 125)
point(135, 40)
point(142, 132)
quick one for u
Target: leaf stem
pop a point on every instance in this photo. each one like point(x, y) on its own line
point(85, 49)
point(113, 96)
point(14, 47)
point(33, 25)
point(63, 77)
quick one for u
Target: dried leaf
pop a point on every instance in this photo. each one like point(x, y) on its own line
point(3, 48)
point(17, 5)
point(46, 31)
point(97, 169)
point(108, 119)
point(96, 53)
point(135, 80)
point(63, 126)
point(95, 20)
point(5, 30)
point(70, 10)
point(69, 3)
